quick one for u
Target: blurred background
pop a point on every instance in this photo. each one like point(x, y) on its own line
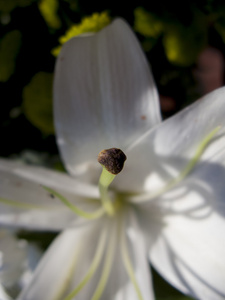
point(184, 43)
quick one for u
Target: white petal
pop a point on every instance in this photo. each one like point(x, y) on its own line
point(137, 246)
point(49, 178)
point(32, 206)
point(154, 158)
point(186, 233)
point(3, 295)
point(13, 258)
point(24, 203)
point(119, 286)
point(189, 254)
point(181, 134)
point(70, 256)
point(104, 95)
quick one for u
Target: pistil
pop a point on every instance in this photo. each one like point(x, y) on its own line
point(112, 161)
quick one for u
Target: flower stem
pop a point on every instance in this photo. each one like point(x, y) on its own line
point(105, 180)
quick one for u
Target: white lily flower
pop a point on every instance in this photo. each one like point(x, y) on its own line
point(17, 261)
point(166, 205)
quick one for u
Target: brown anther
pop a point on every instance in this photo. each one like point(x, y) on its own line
point(112, 159)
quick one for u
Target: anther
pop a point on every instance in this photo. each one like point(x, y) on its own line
point(112, 159)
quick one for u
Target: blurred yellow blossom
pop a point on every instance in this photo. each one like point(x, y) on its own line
point(147, 24)
point(48, 9)
point(182, 42)
point(92, 23)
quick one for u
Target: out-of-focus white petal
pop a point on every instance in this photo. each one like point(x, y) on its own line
point(13, 258)
point(67, 260)
point(26, 204)
point(17, 260)
point(49, 178)
point(3, 295)
point(104, 96)
point(154, 158)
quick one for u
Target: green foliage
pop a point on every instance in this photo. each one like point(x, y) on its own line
point(37, 102)
point(9, 49)
point(48, 9)
point(147, 23)
point(182, 43)
point(6, 6)
point(93, 23)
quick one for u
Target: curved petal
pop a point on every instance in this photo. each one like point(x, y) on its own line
point(3, 295)
point(69, 258)
point(17, 261)
point(187, 236)
point(189, 254)
point(25, 203)
point(154, 158)
point(53, 179)
point(13, 253)
point(104, 95)
point(137, 248)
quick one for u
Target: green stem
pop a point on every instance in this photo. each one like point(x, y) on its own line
point(21, 205)
point(105, 180)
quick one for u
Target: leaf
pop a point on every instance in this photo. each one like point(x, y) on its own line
point(9, 49)
point(37, 102)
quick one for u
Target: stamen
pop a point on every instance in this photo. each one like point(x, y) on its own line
point(93, 215)
point(187, 169)
point(21, 205)
point(107, 266)
point(127, 261)
point(112, 161)
point(93, 267)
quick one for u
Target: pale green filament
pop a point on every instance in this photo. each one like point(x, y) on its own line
point(93, 267)
point(105, 180)
point(93, 215)
point(21, 205)
point(188, 168)
point(107, 267)
point(128, 264)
